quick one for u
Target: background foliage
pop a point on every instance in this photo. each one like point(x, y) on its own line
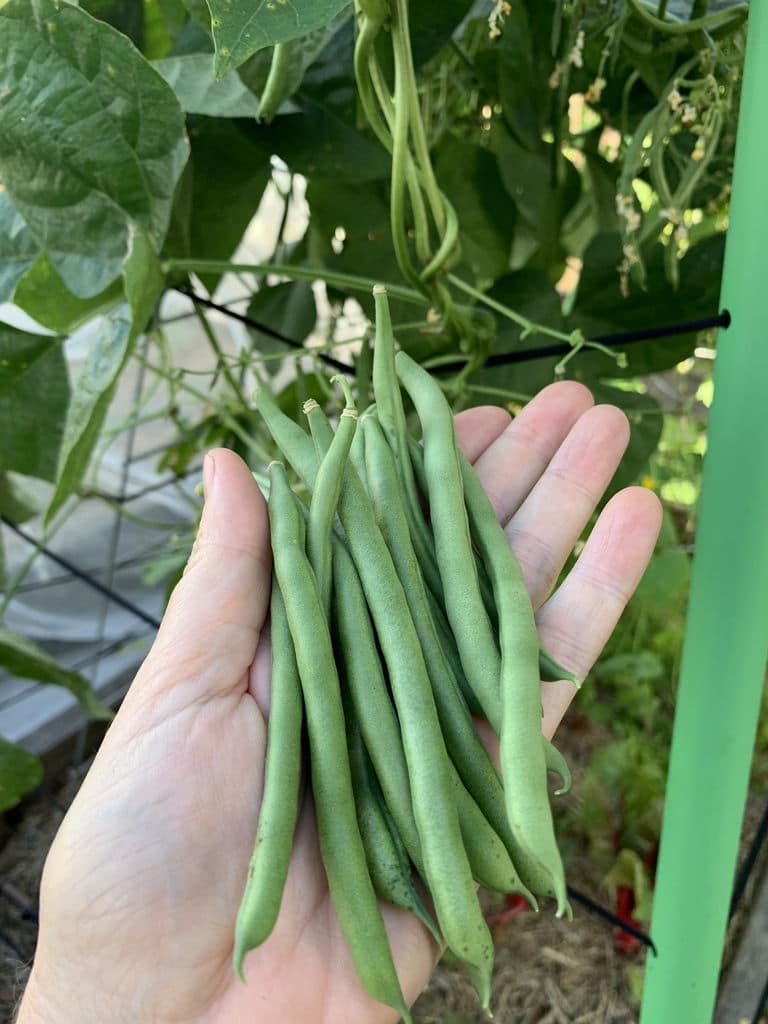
point(586, 147)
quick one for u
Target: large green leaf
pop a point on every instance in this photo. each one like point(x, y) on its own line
point(20, 772)
point(470, 178)
point(199, 92)
point(541, 201)
point(288, 308)
point(127, 16)
point(600, 307)
point(16, 503)
point(119, 329)
point(522, 79)
point(18, 248)
point(317, 143)
point(91, 138)
point(432, 26)
point(43, 295)
point(225, 193)
point(34, 394)
point(21, 657)
point(241, 27)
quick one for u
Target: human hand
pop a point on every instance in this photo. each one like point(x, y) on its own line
point(142, 884)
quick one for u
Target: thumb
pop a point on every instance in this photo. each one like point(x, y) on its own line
point(211, 628)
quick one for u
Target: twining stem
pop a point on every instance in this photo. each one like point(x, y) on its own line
point(529, 327)
point(350, 282)
point(717, 19)
point(220, 358)
point(228, 421)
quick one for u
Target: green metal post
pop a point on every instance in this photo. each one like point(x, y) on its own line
point(726, 640)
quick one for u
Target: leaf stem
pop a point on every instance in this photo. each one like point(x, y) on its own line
point(220, 358)
point(529, 327)
point(350, 282)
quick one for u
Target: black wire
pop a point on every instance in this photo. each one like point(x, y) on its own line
point(607, 915)
point(526, 355)
point(749, 862)
point(618, 339)
point(269, 331)
point(94, 584)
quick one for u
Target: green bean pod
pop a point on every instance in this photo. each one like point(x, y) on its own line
point(268, 868)
point(391, 414)
point(277, 87)
point(364, 680)
point(447, 869)
point(386, 855)
point(325, 498)
point(342, 850)
point(556, 763)
point(552, 671)
point(523, 757)
point(463, 602)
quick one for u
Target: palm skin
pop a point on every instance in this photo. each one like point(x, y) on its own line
point(143, 882)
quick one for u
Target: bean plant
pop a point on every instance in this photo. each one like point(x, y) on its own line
point(517, 174)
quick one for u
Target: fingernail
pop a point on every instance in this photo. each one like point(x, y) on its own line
point(209, 472)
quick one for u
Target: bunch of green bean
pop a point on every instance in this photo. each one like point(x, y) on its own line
point(398, 610)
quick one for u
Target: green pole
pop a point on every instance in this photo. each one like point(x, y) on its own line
point(726, 640)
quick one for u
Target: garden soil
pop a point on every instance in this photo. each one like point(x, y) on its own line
point(547, 971)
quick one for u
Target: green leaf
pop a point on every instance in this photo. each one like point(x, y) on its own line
point(432, 26)
point(21, 657)
point(31, 366)
point(225, 194)
point(317, 143)
point(300, 54)
point(198, 92)
point(143, 285)
point(600, 308)
point(43, 295)
point(164, 21)
point(18, 248)
point(522, 80)
point(541, 202)
point(240, 27)
point(470, 178)
point(629, 870)
point(288, 308)
point(91, 139)
point(16, 504)
point(127, 16)
point(20, 772)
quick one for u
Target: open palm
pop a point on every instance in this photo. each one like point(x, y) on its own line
point(142, 884)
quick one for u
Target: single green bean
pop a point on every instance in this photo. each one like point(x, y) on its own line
point(465, 747)
point(391, 414)
point(279, 803)
point(342, 850)
point(463, 602)
point(387, 857)
point(363, 679)
point(325, 497)
point(522, 752)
